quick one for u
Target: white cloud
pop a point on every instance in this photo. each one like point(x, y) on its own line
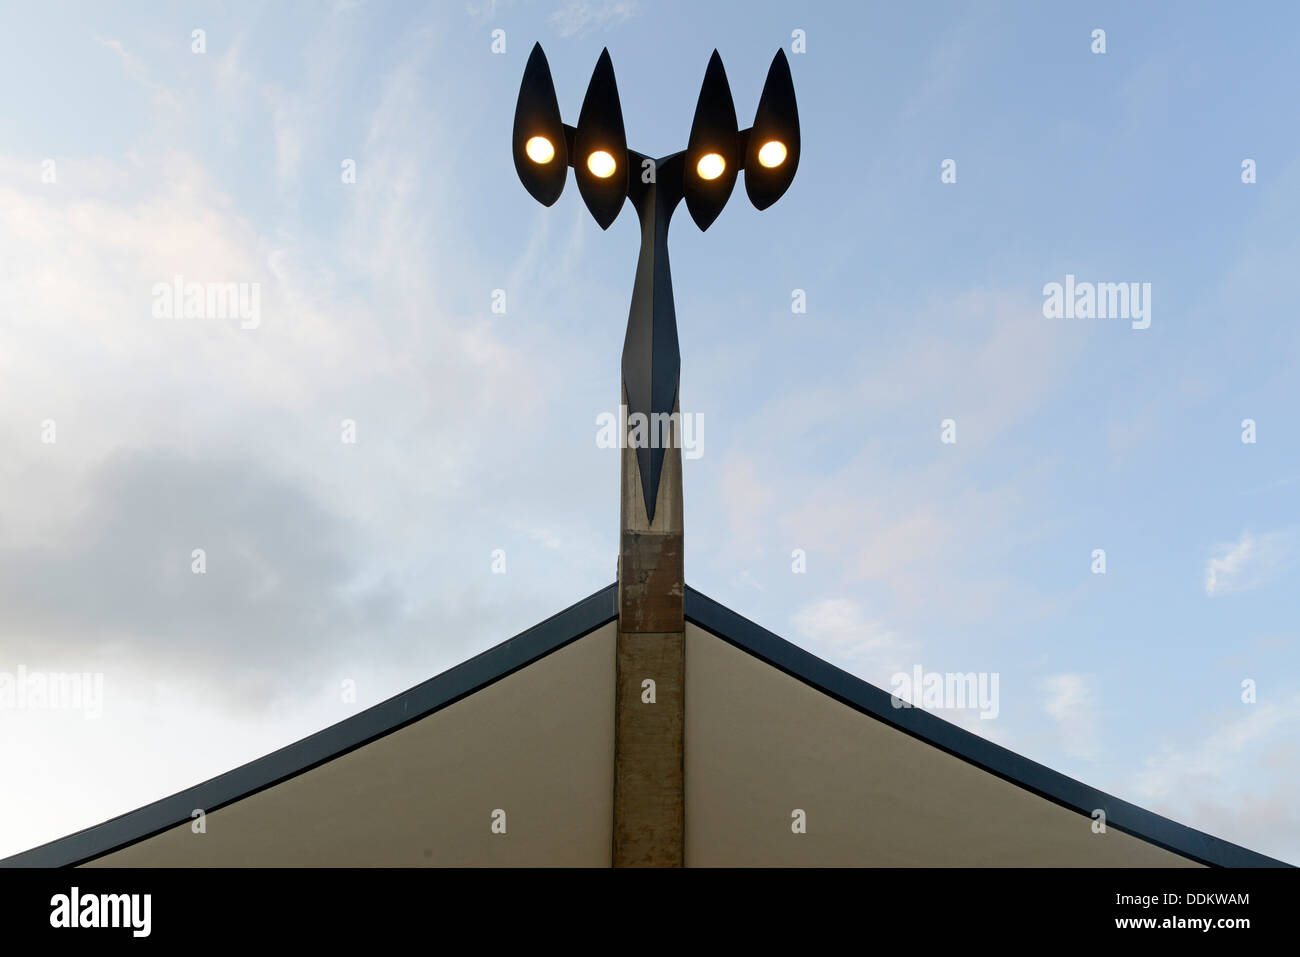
point(1239, 782)
point(839, 630)
point(175, 434)
point(1245, 564)
point(137, 70)
point(902, 526)
point(1069, 702)
point(580, 16)
point(481, 8)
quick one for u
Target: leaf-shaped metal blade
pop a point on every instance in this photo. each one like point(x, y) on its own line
point(775, 122)
point(713, 136)
point(600, 131)
point(537, 114)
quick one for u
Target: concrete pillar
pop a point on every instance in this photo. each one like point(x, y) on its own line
point(649, 797)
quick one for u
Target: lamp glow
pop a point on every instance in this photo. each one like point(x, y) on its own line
point(772, 153)
point(601, 164)
point(710, 166)
point(540, 150)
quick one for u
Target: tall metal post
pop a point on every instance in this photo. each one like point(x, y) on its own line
point(649, 794)
point(649, 716)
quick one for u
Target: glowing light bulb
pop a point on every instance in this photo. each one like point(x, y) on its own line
point(772, 153)
point(710, 166)
point(601, 164)
point(539, 149)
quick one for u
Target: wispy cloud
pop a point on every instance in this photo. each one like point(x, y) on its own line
point(582, 16)
point(1246, 563)
point(137, 70)
point(841, 631)
point(1239, 781)
point(481, 8)
point(1069, 702)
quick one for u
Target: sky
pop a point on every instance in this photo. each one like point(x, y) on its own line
point(133, 151)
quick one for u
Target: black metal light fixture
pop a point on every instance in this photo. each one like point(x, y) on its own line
point(772, 149)
point(600, 146)
point(608, 173)
point(712, 157)
point(540, 143)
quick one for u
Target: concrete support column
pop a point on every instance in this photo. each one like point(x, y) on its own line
point(649, 796)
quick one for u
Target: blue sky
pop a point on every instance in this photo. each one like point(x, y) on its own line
point(476, 431)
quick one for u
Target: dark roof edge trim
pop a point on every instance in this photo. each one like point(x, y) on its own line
point(574, 622)
point(1043, 781)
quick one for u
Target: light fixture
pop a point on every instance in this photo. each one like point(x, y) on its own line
point(772, 154)
point(609, 176)
point(601, 164)
point(710, 166)
point(539, 149)
point(713, 139)
point(539, 142)
point(772, 150)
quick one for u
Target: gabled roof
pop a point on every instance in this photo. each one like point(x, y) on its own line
point(333, 742)
point(924, 726)
point(575, 622)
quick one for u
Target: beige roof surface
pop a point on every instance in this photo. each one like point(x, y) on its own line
point(508, 759)
point(538, 745)
point(761, 745)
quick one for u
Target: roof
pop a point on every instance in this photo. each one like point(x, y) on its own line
point(931, 729)
point(568, 626)
point(339, 739)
